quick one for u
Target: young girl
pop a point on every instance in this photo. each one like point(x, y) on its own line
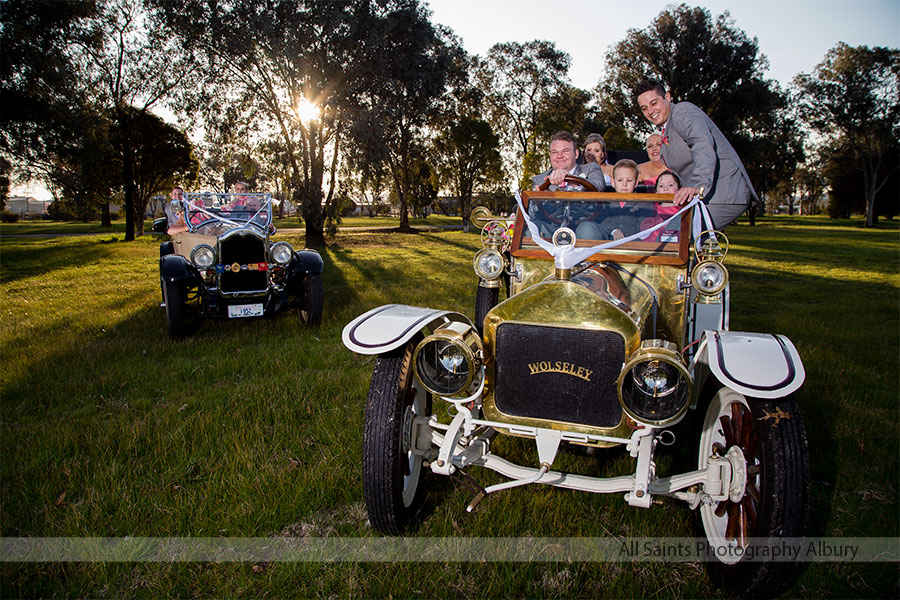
point(667, 183)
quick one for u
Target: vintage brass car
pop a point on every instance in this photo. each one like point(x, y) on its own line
point(601, 343)
point(222, 262)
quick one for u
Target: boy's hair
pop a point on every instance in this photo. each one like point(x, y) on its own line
point(565, 136)
point(646, 85)
point(626, 163)
point(178, 187)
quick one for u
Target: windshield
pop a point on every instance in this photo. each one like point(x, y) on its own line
point(213, 214)
point(603, 218)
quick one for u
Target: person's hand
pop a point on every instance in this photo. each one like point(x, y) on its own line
point(618, 234)
point(684, 195)
point(557, 176)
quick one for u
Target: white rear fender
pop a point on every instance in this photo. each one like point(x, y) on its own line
point(390, 326)
point(760, 365)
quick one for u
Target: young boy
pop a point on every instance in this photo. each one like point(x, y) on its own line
point(622, 218)
point(630, 215)
point(625, 176)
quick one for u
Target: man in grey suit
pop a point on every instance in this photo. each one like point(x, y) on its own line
point(563, 154)
point(697, 150)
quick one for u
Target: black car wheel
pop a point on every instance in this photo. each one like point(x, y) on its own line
point(174, 297)
point(393, 475)
point(311, 311)
point(769, 439)
point(485, 300)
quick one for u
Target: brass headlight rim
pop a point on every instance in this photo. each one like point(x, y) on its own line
point(711, 291)
point(499, 241)
point(457, 339)
point(482, 275)
point(667, 353)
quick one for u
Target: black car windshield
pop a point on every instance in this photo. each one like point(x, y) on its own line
point(205, 210)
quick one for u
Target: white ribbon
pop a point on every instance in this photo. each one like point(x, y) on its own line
point(566, 257)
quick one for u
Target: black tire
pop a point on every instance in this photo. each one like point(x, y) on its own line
point(174, 297)
point(485, 300)
point(393, 477)
point(775, 504)
point(313, 300)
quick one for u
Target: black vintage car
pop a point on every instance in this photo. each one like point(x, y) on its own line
point(221, 262)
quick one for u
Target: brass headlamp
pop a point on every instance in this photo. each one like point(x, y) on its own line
point(448, 361)
point(655, 385)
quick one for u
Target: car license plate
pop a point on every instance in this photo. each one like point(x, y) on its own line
point(245, 310)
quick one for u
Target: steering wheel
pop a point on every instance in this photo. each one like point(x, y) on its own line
point(587, 185)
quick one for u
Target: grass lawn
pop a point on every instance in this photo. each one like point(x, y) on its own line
point(254, 428)
point(118, 226)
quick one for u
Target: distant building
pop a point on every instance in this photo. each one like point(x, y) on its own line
point(26, 206)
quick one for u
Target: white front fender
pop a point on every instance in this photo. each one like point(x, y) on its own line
point(760, 365)
point(390, 326)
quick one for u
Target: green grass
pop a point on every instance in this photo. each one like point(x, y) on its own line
point(94, 227)
point(254, 428)
point(65, 227)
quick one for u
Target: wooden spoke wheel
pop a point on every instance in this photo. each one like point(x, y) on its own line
point(768, 500)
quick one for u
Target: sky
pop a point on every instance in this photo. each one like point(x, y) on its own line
point(793, 34)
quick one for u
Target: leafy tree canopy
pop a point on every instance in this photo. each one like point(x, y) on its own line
point(520, 82)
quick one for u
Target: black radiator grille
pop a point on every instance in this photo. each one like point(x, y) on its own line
point(558, 373)
point(243, 250)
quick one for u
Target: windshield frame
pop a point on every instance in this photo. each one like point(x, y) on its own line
point(212, 210)
point(664, 253)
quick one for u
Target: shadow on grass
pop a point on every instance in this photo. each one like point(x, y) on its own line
point(25, 258)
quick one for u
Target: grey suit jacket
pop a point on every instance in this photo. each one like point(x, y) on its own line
point(697, 150)
point(590, 171)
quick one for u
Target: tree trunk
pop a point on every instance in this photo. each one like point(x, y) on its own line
point(312, 214)
point(105, 221)
point(139, 210)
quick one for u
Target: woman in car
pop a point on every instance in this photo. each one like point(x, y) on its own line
point(595, 151)
point(650, 170)
point(245, 203)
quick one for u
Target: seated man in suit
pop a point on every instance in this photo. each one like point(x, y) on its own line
point(563, 154)
point(563, 157)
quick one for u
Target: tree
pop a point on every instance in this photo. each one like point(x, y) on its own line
point(467, 157)
point(135, 68)
point(162, 158)
point(43, 107)
point(415, 62)
point(852, 95)
point(521, 82)
point(708, 62)
point(287, 69)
